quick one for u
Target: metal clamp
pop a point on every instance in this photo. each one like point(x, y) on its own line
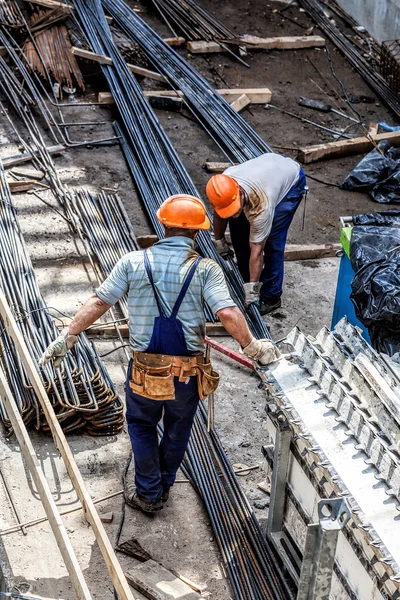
point(319, 553)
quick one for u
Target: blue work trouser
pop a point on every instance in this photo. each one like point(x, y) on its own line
point(273, 270)
point(156, 464)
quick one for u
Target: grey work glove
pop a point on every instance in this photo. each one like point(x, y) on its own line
point(58, 349)
point(263, 352)
point(252, 293)
point(223, 248)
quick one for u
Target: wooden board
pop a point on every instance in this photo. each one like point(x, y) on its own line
point(11, 161)
point(256, 43)
point(283, 43)
point(240, 103)
point(292, 251)
point(157, 583)
point(49, 505)
point(359, 145)
point(106, 60)
point(216, 167)
point(255, 95)
point(54, 4)
point(175, 41)
point(60, 441)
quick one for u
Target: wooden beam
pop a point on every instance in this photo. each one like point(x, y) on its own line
point(175, 41)
point(54, 4)
point(51, 510)
point(60, 441)
point(359, 145)
point(216, 167)
point(255, 95)
point(106, 60)
point(283, 43)
point(11, 161)
point(256, 43)
point(240, 103)
point(311, 251)
point(292, 251)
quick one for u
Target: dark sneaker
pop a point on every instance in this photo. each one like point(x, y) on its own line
point(165, 496)
point(267, 307)
point(135, 501)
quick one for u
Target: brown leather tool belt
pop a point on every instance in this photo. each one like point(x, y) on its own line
point(153, 375)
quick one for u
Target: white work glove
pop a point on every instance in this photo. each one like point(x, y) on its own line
point(58, 349)
point(223, 248)
point(252, 293)
point(262, 351)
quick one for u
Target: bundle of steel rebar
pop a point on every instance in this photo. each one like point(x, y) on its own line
point(9, 13)
point(254, 571)
point(353, 54)
point(227, 128)
point(156, 168)
point(52, 49)
point(196, 23)
point(81, 391)
point(108, 229)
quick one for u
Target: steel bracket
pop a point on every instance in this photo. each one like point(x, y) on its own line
point(316, 566)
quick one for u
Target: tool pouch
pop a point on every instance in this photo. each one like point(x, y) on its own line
point(151, 381)
point(207, 380)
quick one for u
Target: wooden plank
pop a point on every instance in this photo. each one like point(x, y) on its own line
point(292, 251)
point(310, 252)
point(240, 103)
point(106, 60)
point(256, 95)
point(359, 145)
point(10, 161)
point(31, 459)
point(60, 441)
point(21, 186)
point(216, 167)
point(256, 43)
point(175, 41)
point(283, 43)
point(54, 4)
point(157, 583)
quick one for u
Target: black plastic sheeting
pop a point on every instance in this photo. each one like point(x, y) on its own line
point(377, 174)
point(375, 258)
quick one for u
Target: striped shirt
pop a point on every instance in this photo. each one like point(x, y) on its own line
point(170, 260)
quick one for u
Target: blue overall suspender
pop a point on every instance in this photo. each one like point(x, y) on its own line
point(168, 337)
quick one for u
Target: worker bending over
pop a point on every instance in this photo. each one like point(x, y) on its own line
point(167, 287)
point(258, 198)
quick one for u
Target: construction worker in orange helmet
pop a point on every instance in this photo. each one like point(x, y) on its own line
point(167, 286)
point(259, 199)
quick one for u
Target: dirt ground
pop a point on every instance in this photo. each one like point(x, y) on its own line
point(180, 537)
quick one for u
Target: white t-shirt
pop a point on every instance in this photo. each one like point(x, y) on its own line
point(266, 180)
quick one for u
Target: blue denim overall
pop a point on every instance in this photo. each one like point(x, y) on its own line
point(156, 464)
point(274, 251)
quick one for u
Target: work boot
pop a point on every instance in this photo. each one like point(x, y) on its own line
point(267, 306)
point(135, 501)
point(165, 495)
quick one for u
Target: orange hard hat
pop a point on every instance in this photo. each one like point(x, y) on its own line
point(183, 211)
point(224, 194)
